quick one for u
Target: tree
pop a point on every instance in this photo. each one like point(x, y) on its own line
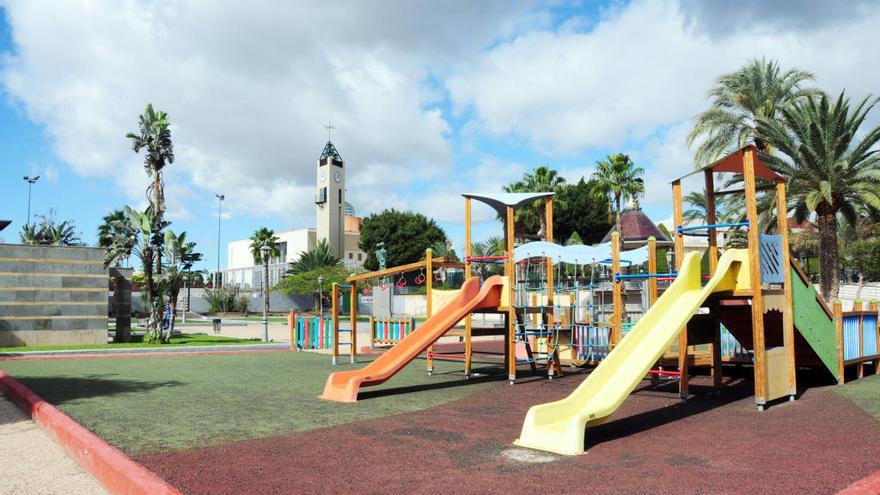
point(618, 179)
point(864, 255)
point(264, 237)
point(739, 99)
point(315, 282)
point(50, 232)
point(181, 256)
point(318, 257)
point(530, 217)
point(107, 232)
point(830, 170)
point(697, 212)
point(406, 236)
point(142, 235)
point(154, 136)
point(444, 249)
point(577, 211)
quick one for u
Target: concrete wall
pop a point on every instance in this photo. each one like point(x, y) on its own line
point(52, 295)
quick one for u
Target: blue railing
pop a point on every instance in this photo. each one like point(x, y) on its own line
point(681, 230)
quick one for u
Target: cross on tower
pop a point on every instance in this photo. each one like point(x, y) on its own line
point(329, 128)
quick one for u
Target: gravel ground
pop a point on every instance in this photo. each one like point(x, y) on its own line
point(33, 463)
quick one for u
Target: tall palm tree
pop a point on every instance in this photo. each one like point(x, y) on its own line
point(830, 170)
point(264, 237)
point(154, 136)
point(541, 179)
point(697, 212)
point(105, 230)
point(618, 178)
point(757, 90)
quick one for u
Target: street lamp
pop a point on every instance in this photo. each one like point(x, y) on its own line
point(669, 260)
point(321, 295)
point(264, 251)
point(220, 198)
point(30, 180)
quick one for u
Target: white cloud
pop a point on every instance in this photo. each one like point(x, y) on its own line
point(644, 66)
point(247, 88)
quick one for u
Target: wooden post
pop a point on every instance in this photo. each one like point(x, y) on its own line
point(677, 216)
point(372, 332)
point(509, 272)
point(652, 269)
point(616, 300)
point(334, 315)
point(429, 301)
point(468, 343)
point(838, 318)
point(758, 342)
point(860, 306)
point(291, 325)
point(352, 311)
point(787, 316)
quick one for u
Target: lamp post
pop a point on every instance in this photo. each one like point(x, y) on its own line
point(321, 295)
point(264, 251)
point(669, 260)
point(220, 198)
point(30, 180)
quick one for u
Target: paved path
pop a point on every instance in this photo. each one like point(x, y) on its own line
point(33, 463)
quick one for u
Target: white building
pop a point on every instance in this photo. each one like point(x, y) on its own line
point(335, 222)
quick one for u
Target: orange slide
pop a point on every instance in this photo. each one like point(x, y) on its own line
point(343, 386)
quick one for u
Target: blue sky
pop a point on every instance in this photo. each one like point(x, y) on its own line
point(429, 100)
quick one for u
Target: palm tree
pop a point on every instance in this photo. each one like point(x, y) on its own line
point(830, 170)
point(618, 179)
point(181, 257)
point(61, 234)
point(105, 230)
point(320, 256)
point(755, 91)
point(29, 234)
point(697, 213)
point(541, 179)
point(154, 136)
point(264, 237)
point(141, 234)
point(444, 249)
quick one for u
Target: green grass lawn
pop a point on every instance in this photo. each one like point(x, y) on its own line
point(865, 393)
point(185, 340)
point(152, 404)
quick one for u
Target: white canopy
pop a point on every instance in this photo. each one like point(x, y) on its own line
point(578, 254)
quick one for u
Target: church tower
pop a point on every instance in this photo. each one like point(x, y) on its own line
point(330, 199)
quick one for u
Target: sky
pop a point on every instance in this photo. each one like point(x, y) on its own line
point(428, 99)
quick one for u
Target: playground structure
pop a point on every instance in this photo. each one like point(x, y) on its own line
point(775, 319)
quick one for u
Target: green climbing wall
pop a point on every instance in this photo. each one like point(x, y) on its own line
point(813, 323)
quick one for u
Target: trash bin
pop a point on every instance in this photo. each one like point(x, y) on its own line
point(216, 322)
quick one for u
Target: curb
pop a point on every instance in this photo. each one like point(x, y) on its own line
point(116, 472)
point(869, 485)
point(40, 357)
point(154, 350)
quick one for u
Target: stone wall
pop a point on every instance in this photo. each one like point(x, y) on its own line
point(52, 295)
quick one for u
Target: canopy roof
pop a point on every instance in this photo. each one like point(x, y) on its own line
point(733, 163)
point(578, 254)
point(637, 227)
point(500, 201)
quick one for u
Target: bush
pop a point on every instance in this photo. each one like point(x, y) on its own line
point(225, 300)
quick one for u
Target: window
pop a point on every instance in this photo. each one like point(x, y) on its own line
point(340, 196)
point(359, 256)
point(321, 197)
point(350, 255)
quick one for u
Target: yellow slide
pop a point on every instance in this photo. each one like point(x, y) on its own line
point(559, 426)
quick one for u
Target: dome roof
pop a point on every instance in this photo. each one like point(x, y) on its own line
point(637, 228)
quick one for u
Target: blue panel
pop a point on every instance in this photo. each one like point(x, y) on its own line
point(772, 271)
point(869, 335)
point(850, 337)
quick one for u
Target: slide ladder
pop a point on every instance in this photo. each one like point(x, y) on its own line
point(559, 426)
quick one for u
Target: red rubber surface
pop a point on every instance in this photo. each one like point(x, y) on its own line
point(113, 469)
point(818, 444)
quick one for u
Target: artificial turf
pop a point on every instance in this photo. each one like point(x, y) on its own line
point(184, 340)
point(865, 393)
point(156, 404)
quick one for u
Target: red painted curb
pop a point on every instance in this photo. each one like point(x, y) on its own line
point(869, 485)
point(134, 354)
point(117, 472)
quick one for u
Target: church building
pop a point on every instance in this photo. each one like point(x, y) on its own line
point(335, 221)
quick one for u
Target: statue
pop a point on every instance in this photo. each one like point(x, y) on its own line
point(381, 255)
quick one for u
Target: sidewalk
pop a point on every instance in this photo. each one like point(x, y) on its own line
point(33, 463)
